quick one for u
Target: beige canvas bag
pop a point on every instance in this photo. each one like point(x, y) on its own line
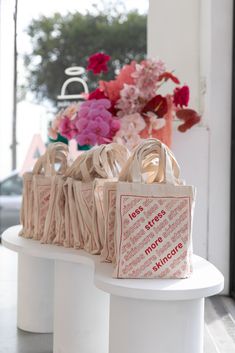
point(108, 253)
point(57, 181)
point(100, 165)
point(26, 211)
point(73, 236)
point(153, 220)
point(45, 186)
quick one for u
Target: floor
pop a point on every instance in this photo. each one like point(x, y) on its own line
point(219, 317)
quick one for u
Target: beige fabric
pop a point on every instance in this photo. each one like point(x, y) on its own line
point(60, 214)
point(100, 165)
point(27, 211)
point(146, 160)
point(50, 185)
point(153, 235)
point(70, 234)
point(108, 251)
point(37, 189)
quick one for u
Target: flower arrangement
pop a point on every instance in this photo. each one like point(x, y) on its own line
point(128, 108)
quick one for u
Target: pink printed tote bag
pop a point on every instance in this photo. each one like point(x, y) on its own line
point(102, 164)
point(153, 220)
point(44, 186)
point(108, 253)
point(27, 211)
point(72, 219)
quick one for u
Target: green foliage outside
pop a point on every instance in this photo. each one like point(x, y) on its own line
point(59, 42)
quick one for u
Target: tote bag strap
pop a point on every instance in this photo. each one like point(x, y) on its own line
point(151, 156)
point(46, 163)
point(74, 170)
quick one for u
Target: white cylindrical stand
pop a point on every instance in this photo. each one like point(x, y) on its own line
point(81, 311)
point(156, 326)
point(35, 294)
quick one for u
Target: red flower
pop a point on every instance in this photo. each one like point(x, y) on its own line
point(98, 63)
point(168, 75)
point(157, 105)
point(181, 96)
point(97, 94)
point(190, 118)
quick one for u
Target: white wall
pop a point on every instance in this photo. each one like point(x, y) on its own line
point(195, 38)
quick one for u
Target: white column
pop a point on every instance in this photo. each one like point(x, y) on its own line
point(35, 294)
point(156, 326)
point(81, 319)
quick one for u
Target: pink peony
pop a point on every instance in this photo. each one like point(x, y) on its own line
point(98, 63)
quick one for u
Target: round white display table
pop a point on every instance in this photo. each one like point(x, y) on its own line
point(150, 316)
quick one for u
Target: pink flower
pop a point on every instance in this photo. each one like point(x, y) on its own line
point(181, 96)
point(86, 138)
point(131, 125)
point(95, 123)
point(67, 128)
point(71, 111)
point(146, 76)
point(101, 128)
point(129, 101)
point(98, 63)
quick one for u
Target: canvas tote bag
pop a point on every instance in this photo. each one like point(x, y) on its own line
point(73, 236)
point(26, 211)
point(44, 185)
point(101, 164)
point(153, 221)
point(113, 157)
point(58, 154)
point(108, 253)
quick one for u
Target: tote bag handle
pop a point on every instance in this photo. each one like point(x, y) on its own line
point(154, 158)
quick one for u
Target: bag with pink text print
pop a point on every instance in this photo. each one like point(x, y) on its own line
point(68, 215)
point(153, 216)
point(108, 253)
point(101, 164)
point(37, 187)
point(27, 210)
point(45, 187)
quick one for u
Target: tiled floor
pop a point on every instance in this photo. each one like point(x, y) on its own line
point(219, 317)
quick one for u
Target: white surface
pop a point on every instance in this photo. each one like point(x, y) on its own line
point(205, 281)
point(194, 45)
point(35, 294)
point(195, 173)
point(156, 327)
point(81, 320)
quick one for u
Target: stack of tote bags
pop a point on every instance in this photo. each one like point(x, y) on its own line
point(132, 210)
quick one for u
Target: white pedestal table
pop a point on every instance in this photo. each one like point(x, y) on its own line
point(92, 312)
